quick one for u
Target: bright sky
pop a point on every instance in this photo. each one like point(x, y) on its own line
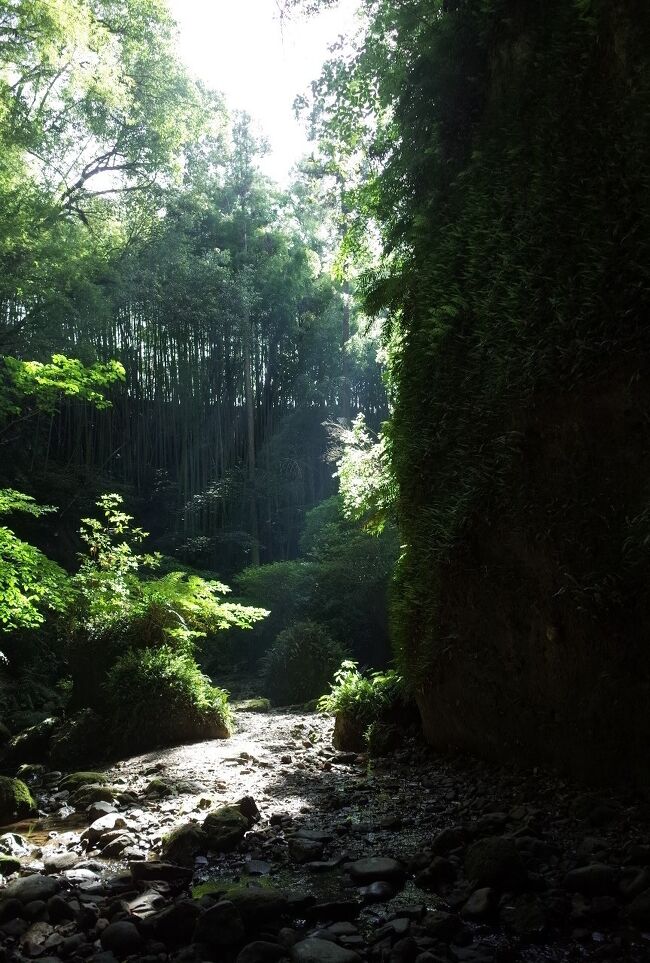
point(240, 48)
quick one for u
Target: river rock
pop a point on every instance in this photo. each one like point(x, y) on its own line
point(220, 926)
point(480, 904)
point(9, 865)
point(639, 909)
point(15, 800)
point(152, 870)
point(304, 850)
point(225, 828)
point(59, 910)
point(31, 888)
point(101, 826)
point(262, 952)
point(114, 848)
point(596, 879)
point(525, 915)
point(100, 808)
point(375, 868)
point(11, 844)
point(121, 938)
point(448, 840)
point(183, 844)
point(176, 923)
point(495, 861)
point(59, 862)
point(258, 906)
point(75, 780)
point(378, 892)
point(322, 951)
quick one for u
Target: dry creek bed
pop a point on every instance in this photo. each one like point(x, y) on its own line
point(414, 858)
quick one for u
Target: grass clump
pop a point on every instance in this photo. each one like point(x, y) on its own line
point(160, 696)
point(301, 664)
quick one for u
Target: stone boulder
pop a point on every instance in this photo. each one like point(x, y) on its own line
point(225, 828)
point(495, 861)
point(15, 800)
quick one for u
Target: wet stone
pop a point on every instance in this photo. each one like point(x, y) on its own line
point(220, 926)
point(121, 938)
point(32, 888)
point(378, 892)
point(261, 951)
point(321, 951)
point(375, 868)
point(594, 880)
point(480, 905)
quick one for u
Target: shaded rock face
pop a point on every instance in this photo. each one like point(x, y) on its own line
point(549, 662)
point(31, 745)
point(78, 741)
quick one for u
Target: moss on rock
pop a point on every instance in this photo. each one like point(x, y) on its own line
point(160, 787)
point(15, 800)
point(76, 780)
point(183, 844)
point(225, 828)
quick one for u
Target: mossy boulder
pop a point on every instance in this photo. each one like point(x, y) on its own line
point(184, 844)
point(160, 788)
point(225, 828)
point(15, 800)
point(78, 779)
point(257, 905)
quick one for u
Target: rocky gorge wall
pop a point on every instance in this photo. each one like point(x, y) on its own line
point(541, 651)
point(520, 438)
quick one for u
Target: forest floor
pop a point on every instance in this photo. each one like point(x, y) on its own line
point(462, 861)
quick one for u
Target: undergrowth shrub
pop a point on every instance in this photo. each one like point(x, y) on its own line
point(300, 664)
point(364, 696)
point(341, 581)
point(132, 640)
point(158, 696)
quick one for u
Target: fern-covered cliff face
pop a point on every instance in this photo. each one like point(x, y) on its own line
point(520, 436)
point(513, 196)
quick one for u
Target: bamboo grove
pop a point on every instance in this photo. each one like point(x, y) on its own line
point(176, 257)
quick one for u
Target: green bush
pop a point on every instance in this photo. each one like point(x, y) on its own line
point(364, 697)
point(300, 664)
point(119, 610)
point(340, 582)
point(157, 696)
point(284, 588)
point(368, 708)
